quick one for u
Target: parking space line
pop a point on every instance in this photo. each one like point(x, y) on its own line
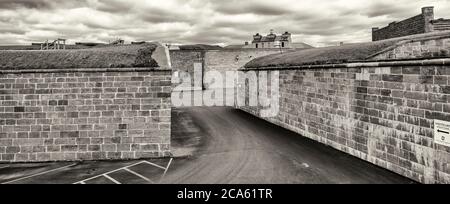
point(40, 174)
point(4, 167)
point(167, 168)
point(127, 168)
point(140, 176)
point(156, 165)
point(84, 181)
point(111, 179)
point(110, 172)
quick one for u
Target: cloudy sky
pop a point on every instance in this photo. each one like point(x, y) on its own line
point(317, 22)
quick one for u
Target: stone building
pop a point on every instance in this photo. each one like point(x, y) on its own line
point(422, 23)
point(271, 41)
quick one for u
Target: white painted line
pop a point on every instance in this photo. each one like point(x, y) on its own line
point(168, 165)
point(39, 174)
point(127, 167)
point(111, 179)
point(85, 180)
point(156, 165)
point(140, 176)
point(167, 168)
point(4, 167)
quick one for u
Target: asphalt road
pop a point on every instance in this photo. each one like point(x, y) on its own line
point(234, 147)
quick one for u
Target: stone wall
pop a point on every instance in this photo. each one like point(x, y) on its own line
point(84, 115)
point(215, 60)
point(411, 26)
point(184, 61)
point(441, 24)
point(380, 112)
point(234, 59)
point(58, 110)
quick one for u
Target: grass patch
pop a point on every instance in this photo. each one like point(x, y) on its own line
point(325, 55)
point(335, 55)
point(104, 57)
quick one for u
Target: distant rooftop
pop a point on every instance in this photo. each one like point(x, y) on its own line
point(200, 47)
point(235, 46)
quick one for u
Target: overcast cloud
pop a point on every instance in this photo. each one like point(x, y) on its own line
point(316, 22)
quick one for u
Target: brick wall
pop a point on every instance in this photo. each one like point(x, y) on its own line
point(84, 114)
point(380, 112)
point(411, 26)
point(441, 24)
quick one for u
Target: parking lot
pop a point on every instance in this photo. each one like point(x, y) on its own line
point(112, 172)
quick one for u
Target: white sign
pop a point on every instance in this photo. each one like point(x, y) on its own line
point(442, 132)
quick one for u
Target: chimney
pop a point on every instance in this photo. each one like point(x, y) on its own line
point(428, 10)
point(428, 15)
point(287, 34)
point(374, 30)
point(257, 37)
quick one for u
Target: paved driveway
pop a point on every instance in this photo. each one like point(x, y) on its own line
point(235, 147)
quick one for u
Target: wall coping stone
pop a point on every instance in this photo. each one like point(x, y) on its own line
point(403, 42)
point(430, 62)
point(244, 49)
point(72, 70)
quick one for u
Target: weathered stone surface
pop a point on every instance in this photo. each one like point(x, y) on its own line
point(386, 120)
point(83, 115)
point(214, 60)
point(422, 23)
